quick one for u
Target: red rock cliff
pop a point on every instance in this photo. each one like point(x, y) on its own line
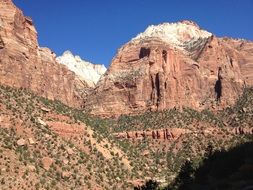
point(173, 65)
point(24, 64)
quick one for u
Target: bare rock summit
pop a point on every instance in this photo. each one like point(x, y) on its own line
point(88, 72)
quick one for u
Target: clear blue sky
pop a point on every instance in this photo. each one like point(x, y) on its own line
point(95, 29)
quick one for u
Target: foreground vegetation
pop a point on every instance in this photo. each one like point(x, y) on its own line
point(99, 160)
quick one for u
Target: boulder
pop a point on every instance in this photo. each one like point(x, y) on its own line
point(31, 141)
point(31, 168)
point(21, 142)
point(47, 162)
point(40, 121)
point(65, 161)
point(70, 151)
point(65, 174)
point(45, 109)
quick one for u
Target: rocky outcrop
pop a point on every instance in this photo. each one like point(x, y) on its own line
point(158, 134)
point(171, 134)
point(242, 130)
point(88, 72)
point(24, 64)
point(172, 65)
point(240, 52)
point(66, 130)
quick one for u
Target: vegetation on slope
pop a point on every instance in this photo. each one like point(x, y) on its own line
point(222, 168)
point(98, 159)
point(78, 170)
point(230, 170)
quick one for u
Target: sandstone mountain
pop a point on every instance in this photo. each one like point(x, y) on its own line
point(174, 65)
point(45, 144)
point(24, 64)
point(88, 72)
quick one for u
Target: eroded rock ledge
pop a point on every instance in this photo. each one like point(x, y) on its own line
point(171, 134)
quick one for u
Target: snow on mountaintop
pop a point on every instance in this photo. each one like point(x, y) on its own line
point(179, 34)
point(87, 71)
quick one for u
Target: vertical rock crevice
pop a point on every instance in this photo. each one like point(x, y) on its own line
point(231, 62)
point(1, 43)
point(218, 86)
point(158, 89)
point(164, 55)
point(157, 75)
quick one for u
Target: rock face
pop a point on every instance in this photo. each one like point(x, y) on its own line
point(172, 134)
point(158, 134)
point(174, 65)
point(88, 72)
point(24, 64)
point(242, 130)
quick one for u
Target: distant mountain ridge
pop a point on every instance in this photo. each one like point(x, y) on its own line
point(87, 71)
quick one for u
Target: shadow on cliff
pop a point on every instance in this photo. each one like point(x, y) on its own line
point(218, 89)
point(228, 170)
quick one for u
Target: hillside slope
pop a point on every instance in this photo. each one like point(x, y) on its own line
point(46, 144)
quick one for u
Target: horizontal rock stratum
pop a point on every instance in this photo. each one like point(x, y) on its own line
point(174, 65)
point(24, 64)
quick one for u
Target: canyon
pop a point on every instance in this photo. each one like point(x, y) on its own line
point(174, 97)
point(170, 65)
